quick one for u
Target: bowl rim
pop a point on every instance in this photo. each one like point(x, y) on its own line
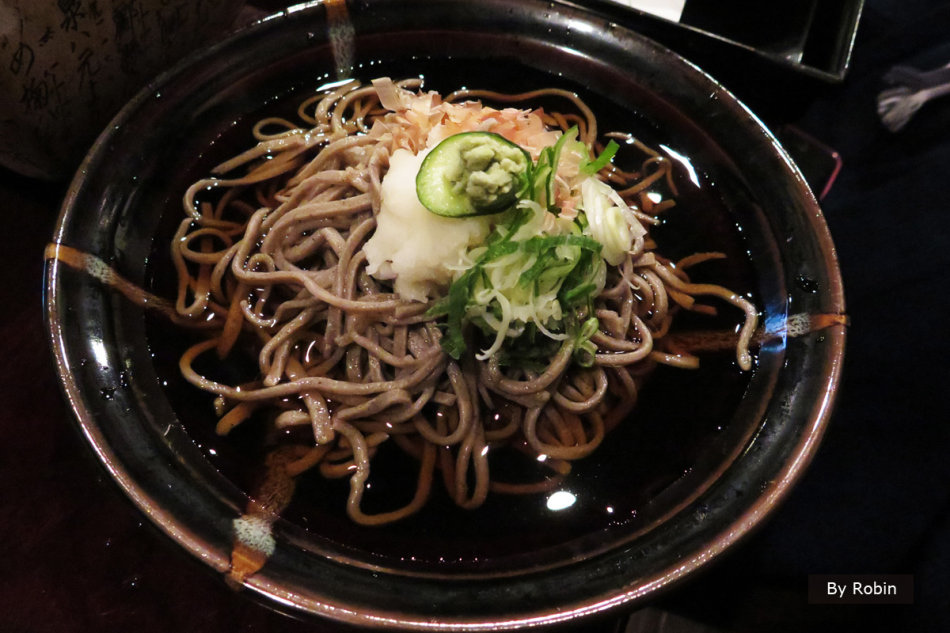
point(298, 601)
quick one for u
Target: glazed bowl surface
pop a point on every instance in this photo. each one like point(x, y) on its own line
point(708, 454)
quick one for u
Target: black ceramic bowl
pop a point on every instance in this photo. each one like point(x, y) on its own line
point(707, 454)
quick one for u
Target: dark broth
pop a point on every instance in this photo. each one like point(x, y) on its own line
point(679, 415)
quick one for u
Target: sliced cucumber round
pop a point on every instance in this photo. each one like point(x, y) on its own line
point(473, 173)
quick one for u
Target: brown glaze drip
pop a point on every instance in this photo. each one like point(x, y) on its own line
point(105, 274)
point(723, 340)
point(270, 496)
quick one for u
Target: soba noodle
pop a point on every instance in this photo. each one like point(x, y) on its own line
point(273, 260)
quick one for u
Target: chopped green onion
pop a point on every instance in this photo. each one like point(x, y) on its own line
point(584, 348)
point(545, 171)
point(591, 167)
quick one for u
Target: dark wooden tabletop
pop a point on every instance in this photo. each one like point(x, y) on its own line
point(77, 558)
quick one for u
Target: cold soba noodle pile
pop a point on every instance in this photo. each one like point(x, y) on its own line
point(449, 277)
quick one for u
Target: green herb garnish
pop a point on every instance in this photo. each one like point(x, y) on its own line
point(515, 284)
